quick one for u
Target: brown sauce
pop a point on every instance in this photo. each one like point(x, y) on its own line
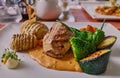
point(67, 63)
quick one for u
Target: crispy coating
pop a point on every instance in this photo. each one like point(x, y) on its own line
point(22, 42)
point(37, 28)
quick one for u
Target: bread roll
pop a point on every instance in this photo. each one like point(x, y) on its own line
point(22, 42)
point(37, 28)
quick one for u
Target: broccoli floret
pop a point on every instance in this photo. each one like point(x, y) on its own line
point(81, 48)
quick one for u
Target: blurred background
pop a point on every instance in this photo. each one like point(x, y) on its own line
point(26, 10)
point(65, 5)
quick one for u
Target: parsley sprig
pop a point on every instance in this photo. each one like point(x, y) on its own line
point(9, 54)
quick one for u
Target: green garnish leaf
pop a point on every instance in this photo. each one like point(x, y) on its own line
point(9, 54)
point(103, 24)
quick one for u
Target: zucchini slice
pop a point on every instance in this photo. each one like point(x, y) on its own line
point(107, 43)
point(95, 63)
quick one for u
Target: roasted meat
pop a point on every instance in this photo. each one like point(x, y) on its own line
point(22, 42)
point(37, 28)
point(56, 41)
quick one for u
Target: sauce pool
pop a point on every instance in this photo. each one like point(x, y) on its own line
point(67, 63)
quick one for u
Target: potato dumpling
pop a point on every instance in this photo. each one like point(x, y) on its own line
point(37, 28)
point(22, 42)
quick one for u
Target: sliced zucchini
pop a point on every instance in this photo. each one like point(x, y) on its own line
point(107, 43)
point(95, 63)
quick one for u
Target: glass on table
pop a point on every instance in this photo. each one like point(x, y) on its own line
point(67, 4)
point(9, 11)
point(64, 5)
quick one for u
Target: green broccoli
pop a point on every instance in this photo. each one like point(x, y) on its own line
point(81, 48)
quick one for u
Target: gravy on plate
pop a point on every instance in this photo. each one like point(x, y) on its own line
point(67, 63)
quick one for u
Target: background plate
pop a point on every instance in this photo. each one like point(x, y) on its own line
point(89, 7)
point(31, 69)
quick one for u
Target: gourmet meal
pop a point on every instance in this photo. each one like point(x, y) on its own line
point(64, 47)
point(113, 9)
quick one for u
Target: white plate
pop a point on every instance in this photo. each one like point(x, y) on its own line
point(89, 7)
point(31, 69)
